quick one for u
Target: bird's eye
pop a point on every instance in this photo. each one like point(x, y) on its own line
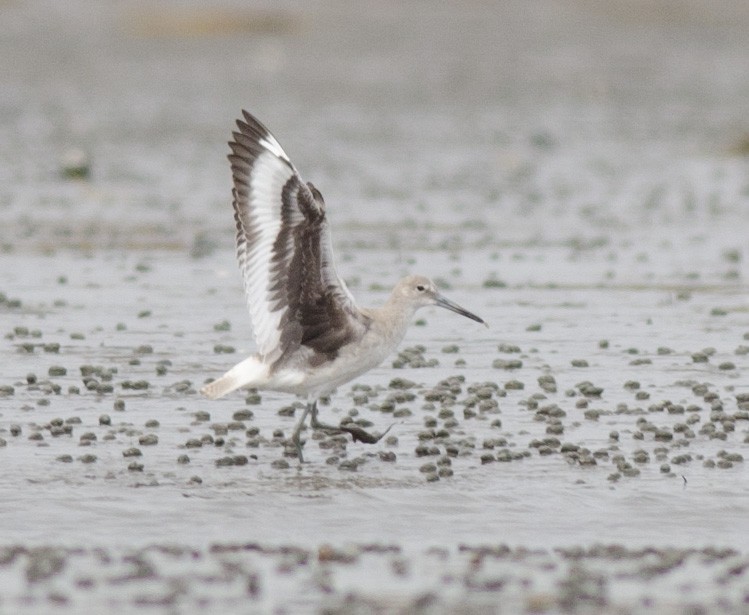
point(421, 288)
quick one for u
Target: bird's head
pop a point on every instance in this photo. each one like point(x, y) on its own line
point(420, 291)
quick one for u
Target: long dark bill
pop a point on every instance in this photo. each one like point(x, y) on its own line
point(454, 307)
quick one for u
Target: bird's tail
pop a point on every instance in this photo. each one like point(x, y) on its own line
point(250, 372)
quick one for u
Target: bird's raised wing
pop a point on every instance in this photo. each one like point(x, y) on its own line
point(294, 294)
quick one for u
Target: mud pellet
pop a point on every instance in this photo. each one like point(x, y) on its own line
point(252, 399)
point(183, 459)
point(224, 349)
point(432, 477)
point(65, 458)
point(286, 411)
point(507, 364)
point(733, 457)
point(547, 383)
point(152, 424)
point(148, 439)
point(57, 370)
point(504, 455)
point(87, 458)
point(243, 415)
point(132, 452)
point(422, 450)
point(119, 405)
point(349, 465)
point(681, 459)
point(135, 466)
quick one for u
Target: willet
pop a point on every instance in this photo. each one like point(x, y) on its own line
point(311, 336)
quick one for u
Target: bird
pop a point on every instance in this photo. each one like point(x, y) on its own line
point(311, 336)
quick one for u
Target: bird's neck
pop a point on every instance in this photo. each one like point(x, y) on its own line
point(394, 317)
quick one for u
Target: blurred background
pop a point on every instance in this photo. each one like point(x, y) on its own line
point(470, 123)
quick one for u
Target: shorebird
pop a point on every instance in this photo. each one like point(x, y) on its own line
point(311, 336)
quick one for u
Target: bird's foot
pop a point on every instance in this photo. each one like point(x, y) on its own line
point(360, 435)
point(315, 424)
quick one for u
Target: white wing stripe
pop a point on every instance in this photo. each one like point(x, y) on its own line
point(266, 183)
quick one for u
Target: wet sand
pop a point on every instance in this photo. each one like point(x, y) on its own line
point(586, 196)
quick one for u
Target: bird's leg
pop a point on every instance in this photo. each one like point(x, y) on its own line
point(315, 424)
point(298, 429)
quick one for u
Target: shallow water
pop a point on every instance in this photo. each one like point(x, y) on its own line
point(575, 175)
